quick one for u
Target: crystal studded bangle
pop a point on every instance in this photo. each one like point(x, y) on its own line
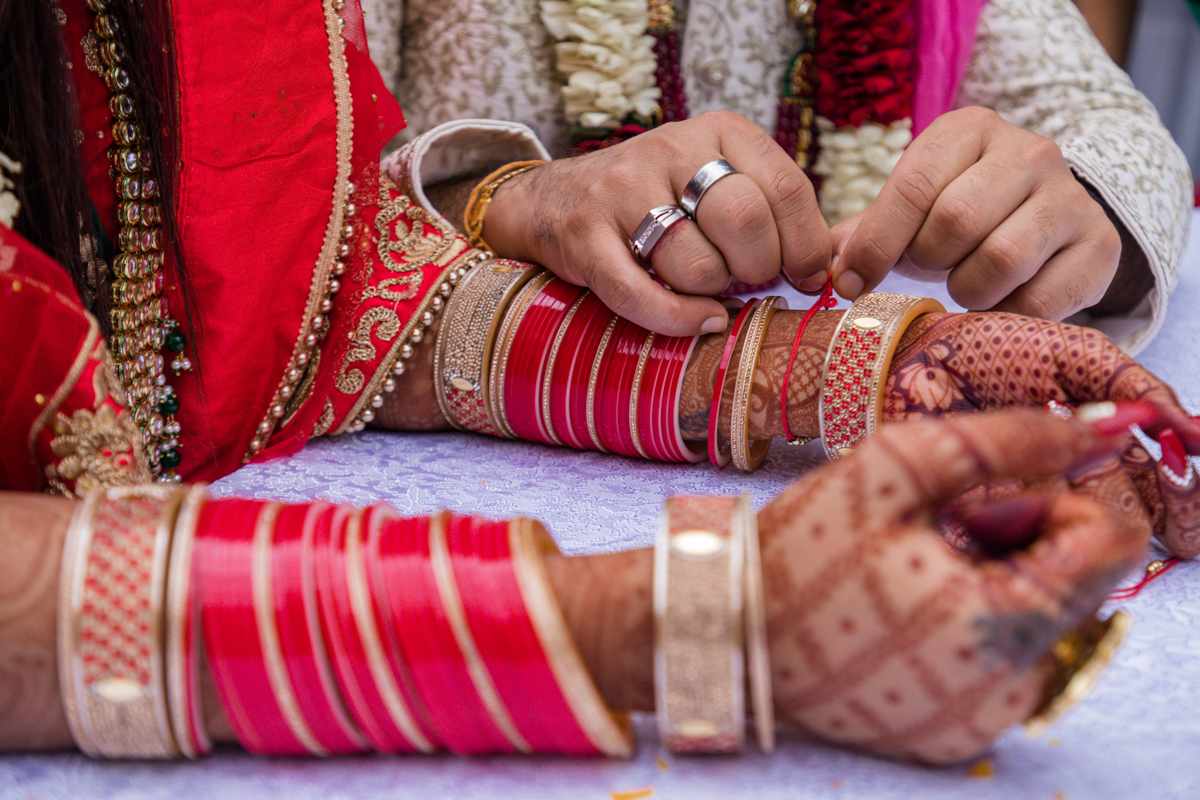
point(856, 366)
point(467, 339)
point(112, 592)
point(748, 456)
point(699, 669)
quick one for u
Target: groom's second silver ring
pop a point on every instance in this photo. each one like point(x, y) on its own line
point(652, 228)
point(701, 182)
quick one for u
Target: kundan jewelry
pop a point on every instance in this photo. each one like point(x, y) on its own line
point(141, 320)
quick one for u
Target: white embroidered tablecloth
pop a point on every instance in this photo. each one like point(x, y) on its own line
point(1136, 736)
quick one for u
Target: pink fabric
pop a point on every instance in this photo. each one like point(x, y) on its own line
point(945, 39)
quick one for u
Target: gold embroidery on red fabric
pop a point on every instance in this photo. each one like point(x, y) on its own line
point(408, 241)
point(93, 347)
point(325, 422)
point(334, 230)
point(91, 52)
point(96, 448)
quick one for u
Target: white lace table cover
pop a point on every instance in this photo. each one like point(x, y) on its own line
point(1137, 735)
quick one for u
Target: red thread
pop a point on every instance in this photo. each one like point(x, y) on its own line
point(1151, 573)
point(825, 301)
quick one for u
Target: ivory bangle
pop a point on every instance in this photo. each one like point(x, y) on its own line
point(746, 456)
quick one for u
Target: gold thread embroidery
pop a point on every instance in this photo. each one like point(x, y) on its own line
point(96, 449)
point(91, 52)
point(325, 422)
point(344, 105)
point(93, 347)
point(427, 241)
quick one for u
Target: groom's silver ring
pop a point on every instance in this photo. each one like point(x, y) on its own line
point(700, 183)
point(652, 228)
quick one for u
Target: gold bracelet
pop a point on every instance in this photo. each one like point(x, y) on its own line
point(466, 341)
point(112, 591)
point(508, 333)
point(1079, 658)
point(746, 456)
point(699, 668)
point(856, 366)
point(481, 198)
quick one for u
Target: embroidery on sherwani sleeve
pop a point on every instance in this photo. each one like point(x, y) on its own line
point(417, 262)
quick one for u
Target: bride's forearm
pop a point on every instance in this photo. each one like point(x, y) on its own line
point(413, 405)
point(32, 529)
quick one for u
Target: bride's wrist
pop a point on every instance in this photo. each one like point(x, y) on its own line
point(766, 404)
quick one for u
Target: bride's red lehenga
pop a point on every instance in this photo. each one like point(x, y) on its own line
point(309, 272)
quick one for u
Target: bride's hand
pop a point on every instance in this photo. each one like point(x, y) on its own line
point(886, 640)
point(951, 363)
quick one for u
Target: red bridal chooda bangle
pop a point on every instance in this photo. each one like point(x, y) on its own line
point(331, 629)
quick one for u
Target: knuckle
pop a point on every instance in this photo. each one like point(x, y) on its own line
point(917, 188)
point(623, 295)
point(1042, 149)
point(1002, 257)
point(1041, 304)
point(958, 218)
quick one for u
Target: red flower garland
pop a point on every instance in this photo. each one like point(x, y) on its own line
point(865, 60)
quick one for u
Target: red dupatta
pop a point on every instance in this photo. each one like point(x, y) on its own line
point(282, 116)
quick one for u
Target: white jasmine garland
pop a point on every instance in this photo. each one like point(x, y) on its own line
point(855, 164)
point(606, 57)
point(10, 206)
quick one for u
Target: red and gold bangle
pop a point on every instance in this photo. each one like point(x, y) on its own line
point(392, 696)
point(352, 655)
point(688, 453)
point(607, 733)
point(650, 400)
point(500, 361)
point(569, 372)
point(856, 366)
point(530, 354)
point(297, 620)
point(616, 389)
point(582, 383)
point(456, 618)
point(500, 627)
point(699, 668)
point(746, 456)
point(112, 593)
point(183, 633)
point(438, 666)
point(548, 374)
point(602, 352)
point(634, 397)
point(246, 669)
point(718, 456)
point(467, 338)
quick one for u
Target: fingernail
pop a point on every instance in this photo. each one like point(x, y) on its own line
point(814, 283)
point(1008, 524)
point(1109, 419)
point(1174, 456)
point(714, 324)
point(849, 285)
